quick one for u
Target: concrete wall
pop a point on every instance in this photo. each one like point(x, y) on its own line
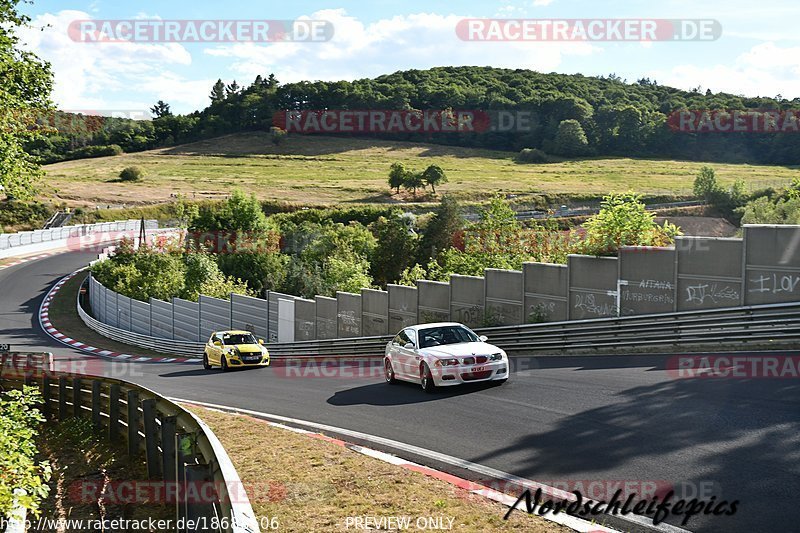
point(348, 314)
point(123, 312)
point(374, 312)
point(272, 317)
point(647, 280)
point(286, 319)
point(467, 300)
point(402, 307)
point(434, 301)
point(111, 310)
point(215, 315)
point(305, 320)
point(186, 320)
point(504, 293)
point(326, 317)
point(140, 317)
point(545, 287)
point(250, 314)
point(592, 287)
point(709, 272)
point(160, 318)
point(772, 264)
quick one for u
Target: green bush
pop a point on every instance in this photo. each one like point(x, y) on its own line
point(19, 428)
point(131, 174)
point(532, 155)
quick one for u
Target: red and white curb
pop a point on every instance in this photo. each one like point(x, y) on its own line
point(28, 259)
point(472, 487)
point(47, 326)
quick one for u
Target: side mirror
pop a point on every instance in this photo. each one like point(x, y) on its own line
point(483, 338)
point(217, 343)
point(409, 346)
point(260, 341)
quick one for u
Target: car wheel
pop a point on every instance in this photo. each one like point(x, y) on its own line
point(388, 372)
point(224, 361)
point(206, 364)
point(426, 378)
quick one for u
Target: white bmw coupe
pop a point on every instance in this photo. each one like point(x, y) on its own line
point(443, 354)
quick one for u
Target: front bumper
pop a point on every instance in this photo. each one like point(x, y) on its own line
point(460, 374)
point(247, 360)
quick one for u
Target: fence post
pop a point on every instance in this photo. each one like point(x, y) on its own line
point(168, 424)
point(97, 393)
point(76, 397)
point(62, 398)
point(133, 423)
point(150, 437)
point(46, 396)
point(113, 411)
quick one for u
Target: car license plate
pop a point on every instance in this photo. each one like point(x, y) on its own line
point(252, 359)
point(478, 368)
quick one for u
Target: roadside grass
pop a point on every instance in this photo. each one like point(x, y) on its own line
point(313, 485)
point(318, 170)
point(65, 319)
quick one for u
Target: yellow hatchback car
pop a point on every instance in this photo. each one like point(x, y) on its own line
point(232, 349)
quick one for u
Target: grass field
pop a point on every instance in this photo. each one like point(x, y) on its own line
point(329, 170)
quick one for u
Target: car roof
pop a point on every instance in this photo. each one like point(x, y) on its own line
point(232, 332)
point(434, 325)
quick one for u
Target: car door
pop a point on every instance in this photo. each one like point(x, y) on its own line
point(408, 358)
point(215, 350)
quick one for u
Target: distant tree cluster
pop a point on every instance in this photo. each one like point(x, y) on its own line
point(400, 176)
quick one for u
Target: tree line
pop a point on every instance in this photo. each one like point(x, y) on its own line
point(575, 115)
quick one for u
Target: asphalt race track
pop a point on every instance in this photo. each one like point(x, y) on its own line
point(558, 419)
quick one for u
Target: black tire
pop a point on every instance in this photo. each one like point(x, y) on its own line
point(426, 378)
point(388, 372)
point(206, 364)
point(499, 382)
point(224, 361)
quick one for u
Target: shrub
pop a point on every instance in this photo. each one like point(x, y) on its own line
point(532, 155)
point(131, 174)
point(19, 422)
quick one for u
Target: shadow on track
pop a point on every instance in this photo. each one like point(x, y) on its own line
point(402, 393)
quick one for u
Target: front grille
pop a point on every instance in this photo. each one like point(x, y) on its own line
point(472, 376)
point(481, 359)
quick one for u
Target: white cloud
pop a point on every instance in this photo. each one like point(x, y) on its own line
point(359, 50)
point(542, 3)
point(101, 76)
point(764, 70)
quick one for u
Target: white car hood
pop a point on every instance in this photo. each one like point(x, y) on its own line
point(464, 349)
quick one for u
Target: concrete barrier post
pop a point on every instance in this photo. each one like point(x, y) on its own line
point(133, 422)
point(151, 438)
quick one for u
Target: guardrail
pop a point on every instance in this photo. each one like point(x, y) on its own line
point(38, 240)
point(179, 448)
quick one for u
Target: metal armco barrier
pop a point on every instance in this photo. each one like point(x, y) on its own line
point(179, 448)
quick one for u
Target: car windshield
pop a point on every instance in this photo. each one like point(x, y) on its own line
point(238, 338)
point(445, 335)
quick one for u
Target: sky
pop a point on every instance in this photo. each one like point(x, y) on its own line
point(757, 54)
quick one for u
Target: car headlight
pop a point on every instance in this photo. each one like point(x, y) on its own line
point(446, 362)
point(496, 357)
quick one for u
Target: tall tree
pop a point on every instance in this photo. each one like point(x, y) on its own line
point(433, 176)
point(397, 176)
point(217, 92)
point(161, 109)
point(24, 94)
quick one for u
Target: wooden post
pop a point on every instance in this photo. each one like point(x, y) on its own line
point(151, 437)
point(113, 411)
point(133, 423)
point(76, 397)
point(46, 396)
point(62, 398)
point(97, 398)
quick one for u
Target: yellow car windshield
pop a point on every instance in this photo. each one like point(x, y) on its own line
point(230, 340)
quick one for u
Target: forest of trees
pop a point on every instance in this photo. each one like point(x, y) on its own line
point(575, 115)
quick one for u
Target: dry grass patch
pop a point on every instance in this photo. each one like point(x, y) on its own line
point(313, 485)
